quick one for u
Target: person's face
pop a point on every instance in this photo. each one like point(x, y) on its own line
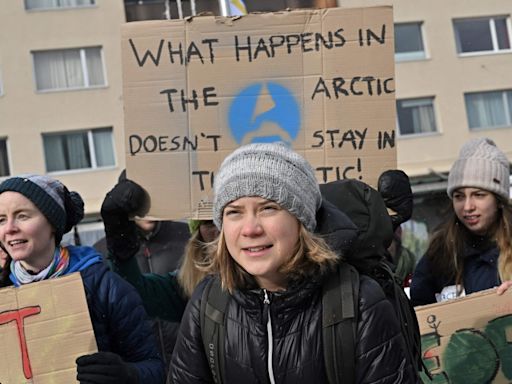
point(476, 208)
point(25, 232)
point(208, 231)
point(260, 236)
point(146, 225)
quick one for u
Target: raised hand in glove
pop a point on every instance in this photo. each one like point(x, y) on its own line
point(124, 201)
point(105, 368)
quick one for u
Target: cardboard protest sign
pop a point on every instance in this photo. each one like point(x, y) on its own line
point(468, 340)
point(196, 89)
point(44, 327)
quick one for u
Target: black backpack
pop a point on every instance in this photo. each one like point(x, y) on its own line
point(367, 255)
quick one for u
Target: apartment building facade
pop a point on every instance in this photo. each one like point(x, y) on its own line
point(61, 89)
point(61, 109)
point(453, 66)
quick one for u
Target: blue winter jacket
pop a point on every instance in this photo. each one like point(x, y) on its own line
point(118, 317)
point(480, 273)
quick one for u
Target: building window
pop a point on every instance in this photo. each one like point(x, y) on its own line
point(489, 109)
point(79, 150)
point(409, 42)
point(489, 34)
point(69, 69)
point(416, 116)
point(52, 4)
point(4, 158)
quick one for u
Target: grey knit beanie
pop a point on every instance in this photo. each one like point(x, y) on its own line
point(481, 164)
point(272, 171)
point(62, 209)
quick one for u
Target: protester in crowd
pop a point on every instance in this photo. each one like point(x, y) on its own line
point(272, 265)
point(35, 212)
point(160, 243)
point(164, 294)
point(403, 259)
point(395, 188)
point(472, 249)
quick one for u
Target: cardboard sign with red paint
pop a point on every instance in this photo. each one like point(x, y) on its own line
point(44, 327)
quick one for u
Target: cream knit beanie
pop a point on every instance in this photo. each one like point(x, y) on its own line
point(481, 164)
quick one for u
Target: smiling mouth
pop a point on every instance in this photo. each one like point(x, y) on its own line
point(256, 249)
point(13, 243)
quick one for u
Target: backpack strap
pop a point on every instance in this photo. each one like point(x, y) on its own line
point(340, 306)
point(213, 307)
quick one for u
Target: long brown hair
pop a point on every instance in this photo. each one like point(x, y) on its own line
point(446, 248)
point(311, 257)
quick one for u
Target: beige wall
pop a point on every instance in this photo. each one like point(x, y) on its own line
point(447, 77)
point(26, 113)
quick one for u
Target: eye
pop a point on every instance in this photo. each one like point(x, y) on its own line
point(2, 220)
point(271, 207)
point(457, 196)
point(231, 211)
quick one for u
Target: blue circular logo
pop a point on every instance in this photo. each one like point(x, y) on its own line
point(259, 115)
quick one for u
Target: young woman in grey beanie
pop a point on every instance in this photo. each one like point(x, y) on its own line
point(35, 212)
point(472, 249)
point(271, 266)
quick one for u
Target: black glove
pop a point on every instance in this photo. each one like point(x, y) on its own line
point(125, 200)
point(105, 368)
point(395, 188)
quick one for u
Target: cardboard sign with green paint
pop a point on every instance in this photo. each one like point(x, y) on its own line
point(468, 340)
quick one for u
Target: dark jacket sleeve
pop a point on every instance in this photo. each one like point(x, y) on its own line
point(380, 348)
point(121, 324)
point(424, 285)
point(189, 364)
point(161, 294)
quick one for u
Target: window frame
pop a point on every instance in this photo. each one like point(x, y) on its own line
point(5, 140)
point(494, 38)
point(413, 55)
point(92, 150)
point(59, 8)
point(505, 95)
point(430, 98)
point(83, 65)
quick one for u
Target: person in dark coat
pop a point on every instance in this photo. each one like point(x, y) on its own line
point(170, 253)
point(272, 265)
point(395, 188)
point(471, 250)
point(35, 212)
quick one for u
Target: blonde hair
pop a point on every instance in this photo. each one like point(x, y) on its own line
point(192, 269)
point(504, 240)
point(312, 256)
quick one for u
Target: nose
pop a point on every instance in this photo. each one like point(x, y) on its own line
point(469, 204)
point(9, 226)
point(251, 226)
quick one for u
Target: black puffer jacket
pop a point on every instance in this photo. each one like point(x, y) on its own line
point(297, 352)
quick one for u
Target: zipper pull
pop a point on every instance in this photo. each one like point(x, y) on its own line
point(266, 300)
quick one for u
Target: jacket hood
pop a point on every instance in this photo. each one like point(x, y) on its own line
point(365, 207)
point(335, 227)
point(81, 257)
